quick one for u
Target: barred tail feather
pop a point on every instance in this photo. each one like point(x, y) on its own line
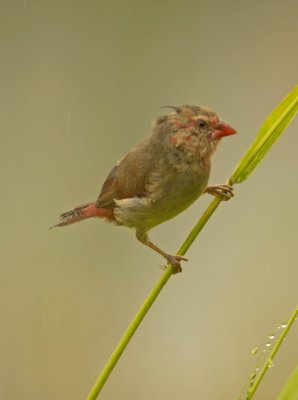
point(82, 212)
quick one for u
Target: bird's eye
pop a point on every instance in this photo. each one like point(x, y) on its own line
point(201, 123)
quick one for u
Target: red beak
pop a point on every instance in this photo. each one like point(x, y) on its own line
point(222, 129)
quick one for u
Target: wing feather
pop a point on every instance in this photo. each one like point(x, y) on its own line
point(128, 178)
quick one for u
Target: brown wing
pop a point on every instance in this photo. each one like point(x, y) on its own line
point(127, 179)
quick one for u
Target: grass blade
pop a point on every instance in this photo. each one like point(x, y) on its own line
point(269, 132)
point(290, 389)
point(255, 382)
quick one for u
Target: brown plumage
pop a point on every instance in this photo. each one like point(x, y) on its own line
point(160, 177)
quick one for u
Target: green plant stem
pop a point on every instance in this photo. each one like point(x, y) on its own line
point(272, 354)
point(199, 226)
point(242, 171)
point(128, 334)
point(290, 388)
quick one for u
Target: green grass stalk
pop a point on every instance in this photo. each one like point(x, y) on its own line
point(284, 113)
point(128, 334)
point(290, 389)
point(138, 318)
point(268, 363)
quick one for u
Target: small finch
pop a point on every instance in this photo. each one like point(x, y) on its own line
point(161, 177)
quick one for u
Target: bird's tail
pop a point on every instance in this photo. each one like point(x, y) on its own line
point(82, 212)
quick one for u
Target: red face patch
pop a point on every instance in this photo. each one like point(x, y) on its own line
point(173, 139)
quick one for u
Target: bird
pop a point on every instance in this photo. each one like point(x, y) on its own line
point(160, 177)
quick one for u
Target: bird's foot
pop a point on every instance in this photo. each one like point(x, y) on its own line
point(224, 191)
point(175, 262)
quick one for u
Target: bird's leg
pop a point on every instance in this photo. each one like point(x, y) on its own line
point(224, 191)
point(174, 260)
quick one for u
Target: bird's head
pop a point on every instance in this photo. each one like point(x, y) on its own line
point(195, 130)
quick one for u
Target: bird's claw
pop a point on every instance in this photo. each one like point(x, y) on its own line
point(175, 262)
point(224, 191)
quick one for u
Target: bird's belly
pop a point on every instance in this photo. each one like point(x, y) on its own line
point(176, 197)
point(167, 200)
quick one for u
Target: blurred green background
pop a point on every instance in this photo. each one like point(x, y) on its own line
point(81, 82)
